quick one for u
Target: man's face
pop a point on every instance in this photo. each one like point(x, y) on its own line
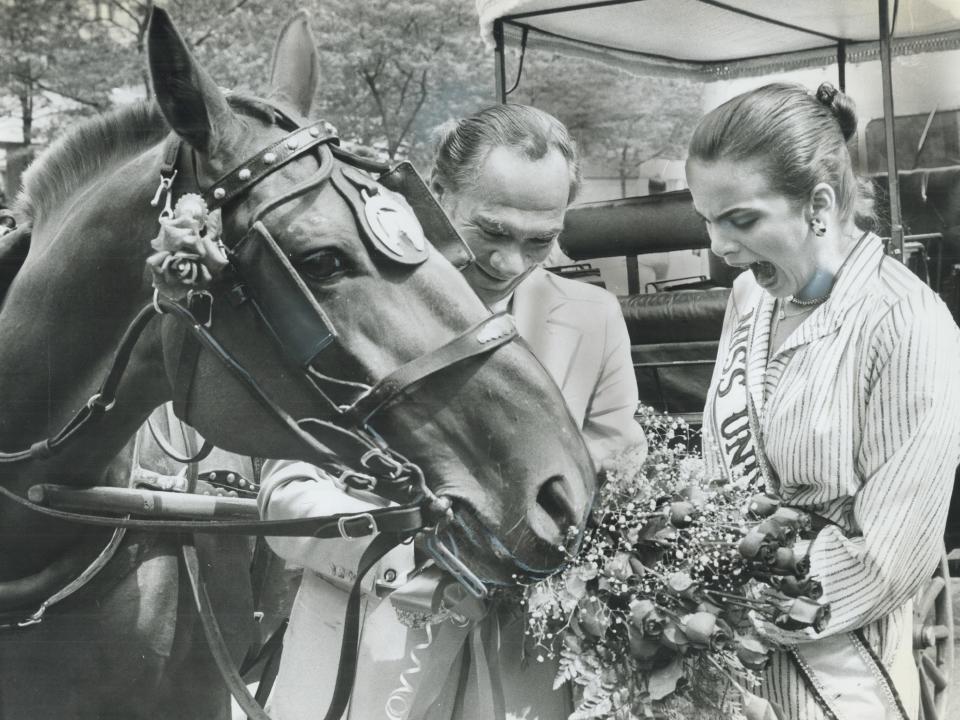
point(509, 217)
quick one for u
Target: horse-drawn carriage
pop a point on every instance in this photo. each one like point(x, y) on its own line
point(675, 332)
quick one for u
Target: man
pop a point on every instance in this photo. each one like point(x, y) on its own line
point(505, 176)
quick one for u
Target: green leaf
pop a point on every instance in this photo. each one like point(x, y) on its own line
point(663, 681)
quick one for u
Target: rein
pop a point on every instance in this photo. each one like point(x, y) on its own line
point(266, 279)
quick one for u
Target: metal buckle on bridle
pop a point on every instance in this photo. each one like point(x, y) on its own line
point(358, 480)
point(200, 304)
point(163, 190)
point(95, 402)
point(34, 619)
point(369, 528)
point(449, 561)
point(379, 463)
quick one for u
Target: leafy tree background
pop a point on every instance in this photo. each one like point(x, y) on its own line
point(392, 70)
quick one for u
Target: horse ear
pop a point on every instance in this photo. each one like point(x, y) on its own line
point(295, 71)
point(191, 102)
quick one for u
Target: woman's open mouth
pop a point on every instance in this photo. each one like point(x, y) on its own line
point(764, 272)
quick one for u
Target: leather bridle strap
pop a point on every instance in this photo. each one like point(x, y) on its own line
point(347, 671)
point(394, 519)
point(98, 404)
point(484, 337)
point(267, 161)
point(171, 452)
point(349, 649)
point(206, 338)
point(215, 641)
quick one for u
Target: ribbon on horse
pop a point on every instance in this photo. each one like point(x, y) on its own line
point(435, 671)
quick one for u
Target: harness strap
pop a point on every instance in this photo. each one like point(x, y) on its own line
point(91, 571)
point(483, 338)
point(101, 401)
point(271, 668)
point(171, 154)
point(31, 590)
point(211, 629)
point(347, 671)
point(206, 338)
point(395, 519)
point(171, 452)
point(187, 355)
point(267, 161)
point(346, 674)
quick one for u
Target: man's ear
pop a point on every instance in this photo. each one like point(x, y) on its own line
point(436, 187)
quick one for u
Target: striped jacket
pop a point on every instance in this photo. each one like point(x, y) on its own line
point(859, 412)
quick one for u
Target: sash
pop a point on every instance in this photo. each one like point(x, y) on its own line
point(730, 411)
point(841, 672)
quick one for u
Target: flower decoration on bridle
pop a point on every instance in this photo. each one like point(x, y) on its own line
point(189, 255)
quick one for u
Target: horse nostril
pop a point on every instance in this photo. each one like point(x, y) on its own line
point(553, 499)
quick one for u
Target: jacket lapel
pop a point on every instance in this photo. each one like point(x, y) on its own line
point(538, 307)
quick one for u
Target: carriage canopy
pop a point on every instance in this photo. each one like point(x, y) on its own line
point(720, 40)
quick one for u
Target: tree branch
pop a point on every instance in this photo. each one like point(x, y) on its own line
point(137, 19)
point(378, 101)
point(416, 111)
point(212, 31)
point(99, 106)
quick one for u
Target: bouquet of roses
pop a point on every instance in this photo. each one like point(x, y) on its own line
point(656, 615)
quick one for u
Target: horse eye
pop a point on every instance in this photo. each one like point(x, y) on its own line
point(324, 265)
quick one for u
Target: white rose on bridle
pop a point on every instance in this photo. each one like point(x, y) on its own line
point(189, 255)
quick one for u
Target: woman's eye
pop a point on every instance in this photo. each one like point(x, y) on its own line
point(324, 265)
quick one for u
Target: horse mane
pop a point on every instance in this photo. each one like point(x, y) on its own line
point(85, 151)
point(98, 143)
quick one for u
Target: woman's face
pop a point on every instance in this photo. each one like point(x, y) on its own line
point(753, 226)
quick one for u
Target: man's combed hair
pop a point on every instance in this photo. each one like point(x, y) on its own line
point(463, 145)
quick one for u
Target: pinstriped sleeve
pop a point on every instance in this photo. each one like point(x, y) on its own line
point(908, 452)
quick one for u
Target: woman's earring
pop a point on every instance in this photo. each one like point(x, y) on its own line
point(819, 227)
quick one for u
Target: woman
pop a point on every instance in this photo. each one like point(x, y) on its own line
point(504, 176)
point(836, 383)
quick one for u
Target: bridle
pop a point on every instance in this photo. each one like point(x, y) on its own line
point(263, 277)
point(342, 438)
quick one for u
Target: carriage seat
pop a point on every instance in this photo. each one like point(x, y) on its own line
point(673, 338)
point(674, 317)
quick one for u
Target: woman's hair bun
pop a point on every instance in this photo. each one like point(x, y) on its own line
point(841, 106)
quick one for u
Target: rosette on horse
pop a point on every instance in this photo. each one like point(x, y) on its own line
point(341, 333)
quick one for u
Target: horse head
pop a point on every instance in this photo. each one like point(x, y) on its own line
point(355, 329)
